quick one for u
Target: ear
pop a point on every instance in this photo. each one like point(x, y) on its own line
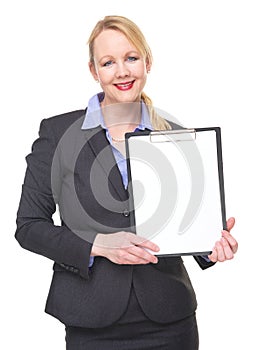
point(148, 66)
point(93, 71)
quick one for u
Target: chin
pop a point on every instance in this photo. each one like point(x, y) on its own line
point(130, 99)
point(123, 97)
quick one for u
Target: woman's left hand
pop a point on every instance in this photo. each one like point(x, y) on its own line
point(226, 247)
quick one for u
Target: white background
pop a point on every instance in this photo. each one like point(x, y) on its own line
point(205, 73)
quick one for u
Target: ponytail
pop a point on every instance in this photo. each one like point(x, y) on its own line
point(157, 121)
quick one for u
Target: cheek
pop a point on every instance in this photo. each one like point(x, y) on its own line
point(141, 75)
point(140, 72)
point(106, 76)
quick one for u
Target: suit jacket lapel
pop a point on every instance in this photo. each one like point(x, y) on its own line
point(101, 148)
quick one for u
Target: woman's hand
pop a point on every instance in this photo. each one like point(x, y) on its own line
point(124, 248)
point(227, 246)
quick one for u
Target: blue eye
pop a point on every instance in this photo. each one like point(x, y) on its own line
point(107, 64)
point(132, 58)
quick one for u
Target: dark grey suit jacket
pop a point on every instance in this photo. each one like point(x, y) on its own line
point(63, 168)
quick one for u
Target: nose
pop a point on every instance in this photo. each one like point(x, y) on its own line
point(122, 70)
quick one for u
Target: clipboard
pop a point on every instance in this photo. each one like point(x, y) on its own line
point(176, 188)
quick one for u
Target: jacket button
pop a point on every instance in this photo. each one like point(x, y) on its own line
point(126, 213)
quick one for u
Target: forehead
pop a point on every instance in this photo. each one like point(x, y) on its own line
point(112, 42)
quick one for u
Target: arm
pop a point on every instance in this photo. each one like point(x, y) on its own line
point(35, 228)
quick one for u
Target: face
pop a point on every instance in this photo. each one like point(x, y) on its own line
point(119, 67)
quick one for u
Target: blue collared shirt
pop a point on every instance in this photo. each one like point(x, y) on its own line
point(94, 118)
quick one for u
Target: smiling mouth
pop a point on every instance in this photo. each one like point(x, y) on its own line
point(125, 85)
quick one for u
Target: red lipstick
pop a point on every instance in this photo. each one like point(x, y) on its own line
point(124, 86)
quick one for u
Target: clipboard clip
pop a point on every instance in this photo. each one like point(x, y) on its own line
point(172, 135)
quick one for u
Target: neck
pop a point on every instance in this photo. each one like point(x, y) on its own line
point(122, 115)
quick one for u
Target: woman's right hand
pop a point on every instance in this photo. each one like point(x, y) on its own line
point(124, 248)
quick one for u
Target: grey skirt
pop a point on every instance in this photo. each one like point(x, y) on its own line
point(134, 331)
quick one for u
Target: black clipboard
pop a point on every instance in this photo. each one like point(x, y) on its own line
point(177, 203)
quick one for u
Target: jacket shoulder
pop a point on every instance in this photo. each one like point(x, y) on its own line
point(60, 123)
point(66, 118)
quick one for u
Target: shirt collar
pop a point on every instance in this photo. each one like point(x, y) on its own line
point(94, 117)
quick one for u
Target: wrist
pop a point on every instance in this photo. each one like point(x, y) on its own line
point(97, 247)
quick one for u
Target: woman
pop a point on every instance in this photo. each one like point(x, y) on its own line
point(108, 287)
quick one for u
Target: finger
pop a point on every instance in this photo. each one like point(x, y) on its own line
point(143, 254)
point(230, 223)
point(143, 242)
point(132, 256)
point(231, 240)
point(123, 257)
point(227, 249)
point(220, 250)
point(214, 255)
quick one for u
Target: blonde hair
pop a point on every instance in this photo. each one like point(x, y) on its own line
point(134, 35)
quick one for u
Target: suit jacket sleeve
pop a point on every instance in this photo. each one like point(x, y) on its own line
point(35, 228)
point(203, 263)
